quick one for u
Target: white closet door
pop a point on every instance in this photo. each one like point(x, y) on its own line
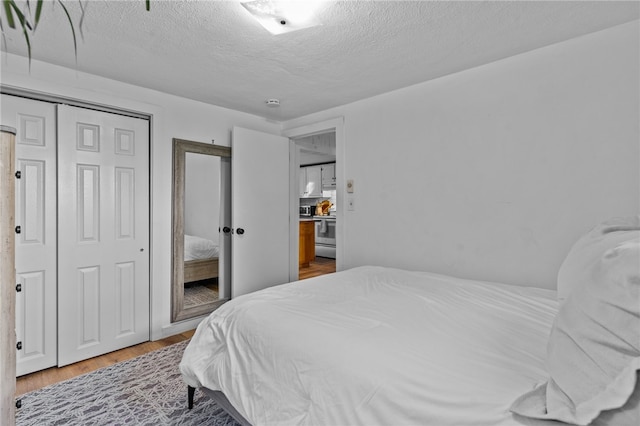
point(35, 123)
point(103, 233)
point(260, 211)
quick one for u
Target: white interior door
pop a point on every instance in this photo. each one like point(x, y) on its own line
point(35, 124)
point(103, 233)
point(260, 210)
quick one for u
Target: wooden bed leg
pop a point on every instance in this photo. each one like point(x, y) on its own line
point(191, 391)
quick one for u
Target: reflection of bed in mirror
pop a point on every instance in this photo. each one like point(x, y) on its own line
point(200, 259)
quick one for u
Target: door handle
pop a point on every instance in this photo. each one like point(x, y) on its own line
point(226, 229)
point(239, 231)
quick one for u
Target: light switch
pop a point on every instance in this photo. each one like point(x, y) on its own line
point(351, 203)
point(350, 186)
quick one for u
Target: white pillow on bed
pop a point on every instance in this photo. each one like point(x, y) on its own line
point(588, 249)
point(593, 353)
point(199, 248)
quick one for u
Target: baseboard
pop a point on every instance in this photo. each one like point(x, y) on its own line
point(178, 327)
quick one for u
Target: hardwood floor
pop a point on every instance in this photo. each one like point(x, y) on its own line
point(40, 379)
point(319, 266)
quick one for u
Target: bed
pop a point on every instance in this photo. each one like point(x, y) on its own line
point(381, 346)
point(200, 259)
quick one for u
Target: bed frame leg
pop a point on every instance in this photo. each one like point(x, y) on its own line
point(191, 391)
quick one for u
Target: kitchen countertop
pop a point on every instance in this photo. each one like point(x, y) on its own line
point(324, 217)
point(314, 218)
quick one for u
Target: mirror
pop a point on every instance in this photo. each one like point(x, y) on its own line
point(201, 206)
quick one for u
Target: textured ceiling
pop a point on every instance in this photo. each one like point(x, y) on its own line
point(214, 52)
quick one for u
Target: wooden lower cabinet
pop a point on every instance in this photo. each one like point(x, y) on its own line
point(307, 242)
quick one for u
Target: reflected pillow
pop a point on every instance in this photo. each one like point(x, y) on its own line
point(593, 353)
point(196, 248)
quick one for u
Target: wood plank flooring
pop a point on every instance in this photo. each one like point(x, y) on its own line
point(40, 379)
point(319, 266)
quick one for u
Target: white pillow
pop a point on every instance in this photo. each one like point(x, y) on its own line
point(588, 249)
point(199, 248)
point(593, 353)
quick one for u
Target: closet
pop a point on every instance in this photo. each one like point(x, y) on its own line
point(82, 231)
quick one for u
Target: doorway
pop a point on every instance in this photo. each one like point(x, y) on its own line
point(316, 201)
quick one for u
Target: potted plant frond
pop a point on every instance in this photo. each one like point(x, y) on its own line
point(26, 15)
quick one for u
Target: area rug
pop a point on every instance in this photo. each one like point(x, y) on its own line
point(198, 295)
point(147, 390)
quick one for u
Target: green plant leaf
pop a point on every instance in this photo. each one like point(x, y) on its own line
point(10, 8)
point(81, 18)
point(38, 13)
point(24, 22)
point(73, 30)
point(7, 10)
point(13, 14)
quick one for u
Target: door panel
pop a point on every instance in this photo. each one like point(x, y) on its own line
point(260, 208)
point(35, 124)
point(103, 241)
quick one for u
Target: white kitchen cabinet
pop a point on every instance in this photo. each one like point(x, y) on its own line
point(329, 176)
point(302, 184)
point(311, 184)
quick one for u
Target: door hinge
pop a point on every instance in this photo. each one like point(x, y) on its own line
point(18, 287)
point(18, 403)
point(18, 229)
point(19, 345)
point(18, 174)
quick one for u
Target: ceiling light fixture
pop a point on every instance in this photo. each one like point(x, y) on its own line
point(280, 17)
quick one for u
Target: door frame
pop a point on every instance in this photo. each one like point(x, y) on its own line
point(332, 125)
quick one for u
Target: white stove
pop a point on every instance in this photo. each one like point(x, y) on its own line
point(325, 236)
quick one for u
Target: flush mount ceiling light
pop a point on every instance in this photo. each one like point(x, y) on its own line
point(280, 17)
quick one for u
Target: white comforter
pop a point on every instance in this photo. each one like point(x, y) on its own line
point(375, 346)
point(196, 248)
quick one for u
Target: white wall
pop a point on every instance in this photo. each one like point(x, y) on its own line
point(492, 173)
point(172, 117)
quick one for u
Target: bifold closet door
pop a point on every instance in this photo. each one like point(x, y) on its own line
point(103, 233)
point(35, 124)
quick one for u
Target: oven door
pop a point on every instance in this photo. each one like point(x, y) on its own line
point(326, 232)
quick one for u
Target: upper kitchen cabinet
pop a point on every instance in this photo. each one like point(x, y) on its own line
point(329, 176)
point(302, 184)
point(311, 181)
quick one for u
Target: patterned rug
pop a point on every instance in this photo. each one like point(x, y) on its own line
point(147, 390)
point(199, 294)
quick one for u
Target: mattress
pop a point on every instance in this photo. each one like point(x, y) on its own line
point(197, 248)
point(375, 345)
